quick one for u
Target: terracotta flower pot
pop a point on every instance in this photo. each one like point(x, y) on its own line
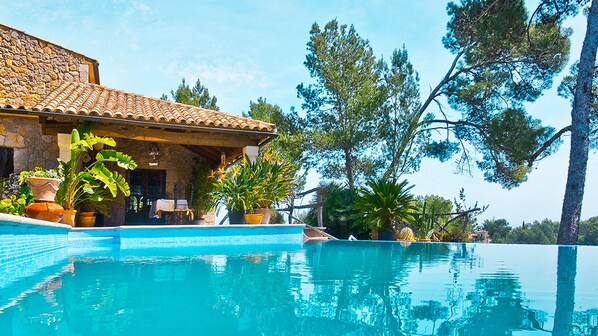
point(43, 188)
point(48, 211)
point(253, 218)
point(267, 212)
point(69, 217)
point(86, 219)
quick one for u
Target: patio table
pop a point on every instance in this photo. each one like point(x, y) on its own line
point(166, 207)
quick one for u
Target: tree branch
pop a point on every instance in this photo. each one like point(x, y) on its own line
point(455, 123)
point(446, 79)
point(557, 135)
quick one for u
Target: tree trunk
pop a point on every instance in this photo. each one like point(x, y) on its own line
point(580, 129)
point(349, 169)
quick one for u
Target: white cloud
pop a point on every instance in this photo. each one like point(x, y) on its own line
point(234, 81)
point(223, 72)
point(140, 9)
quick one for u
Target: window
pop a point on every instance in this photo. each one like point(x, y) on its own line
point(7, 165)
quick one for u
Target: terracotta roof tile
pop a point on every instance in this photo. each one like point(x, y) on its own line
point(95, 100)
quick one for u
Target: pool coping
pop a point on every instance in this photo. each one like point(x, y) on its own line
point(29, 232)
point(12, 220)
point(129, 227)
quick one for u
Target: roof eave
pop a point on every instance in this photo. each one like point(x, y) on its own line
point(265, 136)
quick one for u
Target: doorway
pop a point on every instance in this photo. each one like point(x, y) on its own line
point(7, 165)
point(147, 185)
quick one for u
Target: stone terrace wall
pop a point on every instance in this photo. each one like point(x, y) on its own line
point(30, 67)
point(31, 148)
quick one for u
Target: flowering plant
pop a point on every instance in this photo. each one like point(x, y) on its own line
point(237, 187)
point(260, 183)
point(14, 195)
point(276, 177)
point(13, 205)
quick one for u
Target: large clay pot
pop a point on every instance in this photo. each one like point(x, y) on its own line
point(69, 217)
point(236, 217)
point(266, 212)
point(253, 218)
point(43, 188)
point(86, 219)
point(48, 211)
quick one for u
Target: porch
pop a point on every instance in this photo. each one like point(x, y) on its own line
point(164, 138)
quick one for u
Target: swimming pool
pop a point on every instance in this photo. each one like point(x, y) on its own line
point(331, 288)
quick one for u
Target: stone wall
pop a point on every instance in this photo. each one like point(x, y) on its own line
point(176, 160)
point(31, 148)
point(31, 67)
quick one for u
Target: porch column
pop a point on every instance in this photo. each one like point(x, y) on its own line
point(252, 152)
point(64, 146)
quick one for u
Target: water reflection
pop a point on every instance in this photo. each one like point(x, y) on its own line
point(496, 307)
point(336, 288)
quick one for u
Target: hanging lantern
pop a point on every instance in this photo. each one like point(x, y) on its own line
point(154, 153)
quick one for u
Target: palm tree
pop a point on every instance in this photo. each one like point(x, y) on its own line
point(384, 202)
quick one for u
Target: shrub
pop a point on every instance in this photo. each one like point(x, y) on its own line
point(15, 195)
point(338, 215)
point(13, 205)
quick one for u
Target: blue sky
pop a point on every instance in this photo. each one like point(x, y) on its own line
point(242, 50)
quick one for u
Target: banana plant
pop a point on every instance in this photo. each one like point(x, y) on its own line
point(93, 182)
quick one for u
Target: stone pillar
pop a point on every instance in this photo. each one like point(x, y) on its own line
point(252, 152)
point(64, 146)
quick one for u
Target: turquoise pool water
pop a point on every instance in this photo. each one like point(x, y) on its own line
point(332, 288)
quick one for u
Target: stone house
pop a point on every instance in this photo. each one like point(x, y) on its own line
point(47, 90)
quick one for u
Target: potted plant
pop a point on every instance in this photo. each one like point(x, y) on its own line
point(277, 180)
point(241, 188)
point(201, 188)
point(249, 189)
point(94, 204)
point(382, 203)
point(236, 188)
point(92, 181)
point(43, 183)
point(86, 216)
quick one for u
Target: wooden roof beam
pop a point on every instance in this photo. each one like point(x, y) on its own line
point(212, 139)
